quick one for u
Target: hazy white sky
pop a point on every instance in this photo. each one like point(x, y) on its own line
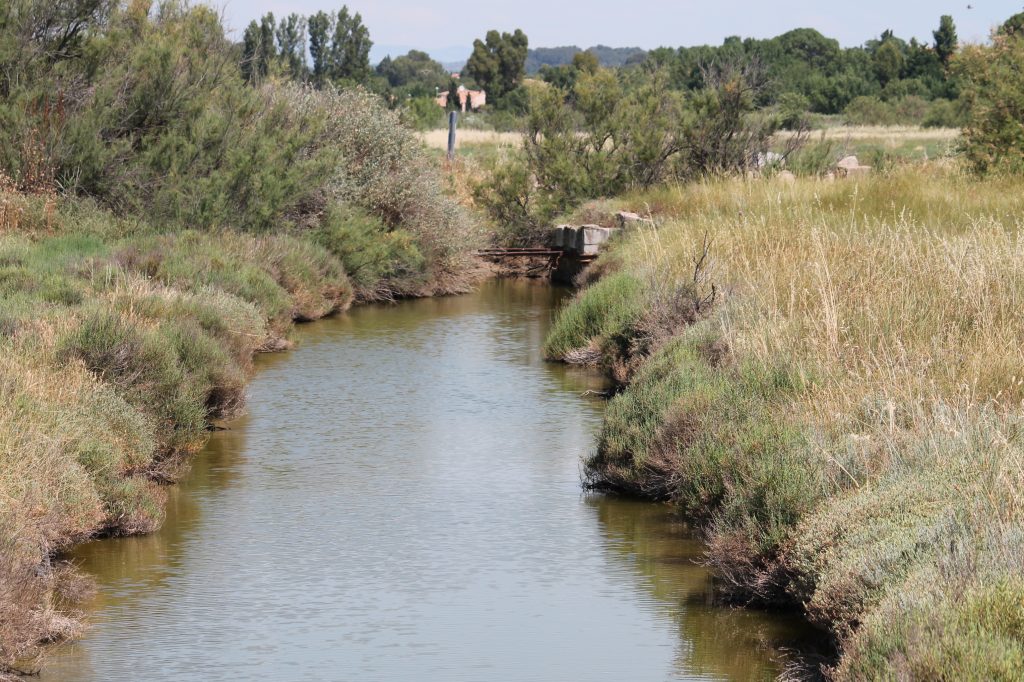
point(436, 25)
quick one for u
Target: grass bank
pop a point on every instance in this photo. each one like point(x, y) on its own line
point(161, 220)
point(119, 345)
point(829, 376)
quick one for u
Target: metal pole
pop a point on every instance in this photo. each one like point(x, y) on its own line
point(452, 118)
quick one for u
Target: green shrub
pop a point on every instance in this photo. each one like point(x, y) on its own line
point(369, 251)
point(610, 135)
point(793, 111)
point(712, 436)
point(422, 113)
point(993, 139)
point(146, 367)
point(944, 113)
point(601, 311)
point(191, 261)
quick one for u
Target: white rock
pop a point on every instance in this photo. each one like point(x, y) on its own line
point(627, 219)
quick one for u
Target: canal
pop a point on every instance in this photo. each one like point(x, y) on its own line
point(403, 502)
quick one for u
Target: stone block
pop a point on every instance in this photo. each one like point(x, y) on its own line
point(848, 162)
point(626, 219)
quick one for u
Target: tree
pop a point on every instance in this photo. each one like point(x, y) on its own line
point(350, 48)
point(453, 103)
point(1013, 25)
point(291, 45)
point(993, 139)
point(415, 73)
point(945, 39)
point(320, 25)
point(586, 62)
point(888, 61)
point(258, 49)
point(498, 63)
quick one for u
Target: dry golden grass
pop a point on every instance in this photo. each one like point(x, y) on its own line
point(889, 135)
point(906, 288)
point(899, 133)
point(438, 139)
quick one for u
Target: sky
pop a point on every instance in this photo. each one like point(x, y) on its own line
point(446, 29)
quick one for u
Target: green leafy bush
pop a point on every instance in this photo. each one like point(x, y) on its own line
point(993, 139)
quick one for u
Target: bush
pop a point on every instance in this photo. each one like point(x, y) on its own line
point(422, 113)
point(375, 257)
point(944, 113)
point(150, 369)
point(793, 111)
point(608, 136)
point(388, 175)
point(993, 139)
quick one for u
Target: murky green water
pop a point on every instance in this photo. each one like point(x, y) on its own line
point(403, 503)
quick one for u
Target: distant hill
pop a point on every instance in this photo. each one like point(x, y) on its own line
point(557, 56)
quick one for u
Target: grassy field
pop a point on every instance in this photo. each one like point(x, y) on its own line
point(835, 390)
point(869, 142)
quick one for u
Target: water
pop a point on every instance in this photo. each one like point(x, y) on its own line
point(403, 502)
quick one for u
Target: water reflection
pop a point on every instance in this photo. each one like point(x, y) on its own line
point(403, 502)
point(666, 556)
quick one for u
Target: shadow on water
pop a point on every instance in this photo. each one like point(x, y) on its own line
point(666, 556)
point(403, 502)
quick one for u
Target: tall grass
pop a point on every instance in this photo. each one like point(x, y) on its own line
point(851, 444)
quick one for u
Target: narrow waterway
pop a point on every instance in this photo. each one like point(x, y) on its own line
point(403, 502)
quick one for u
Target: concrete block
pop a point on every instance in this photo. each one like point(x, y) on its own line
point(855, 171)
point(558, 236)
point(581, 239)
point(595, 234)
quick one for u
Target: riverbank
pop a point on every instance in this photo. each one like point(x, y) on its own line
point(162, 219)
point(119, 346)
point(827, 376)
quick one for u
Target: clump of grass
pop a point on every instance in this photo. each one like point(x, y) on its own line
point(609, 307)
point(153, 368)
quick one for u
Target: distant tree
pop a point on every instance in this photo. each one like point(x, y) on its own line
point(498, 63)
point(945, 39)
point(415, 73)
point(888, 61)
point(1013, 25)
point(291, 45)
point(562, 77)
point(586, 62)
point(251, 52)
point(453, 103)
point(350, 48)
point(258, 49)
point(549, 56)
point(320, 25)
point(810, 47)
